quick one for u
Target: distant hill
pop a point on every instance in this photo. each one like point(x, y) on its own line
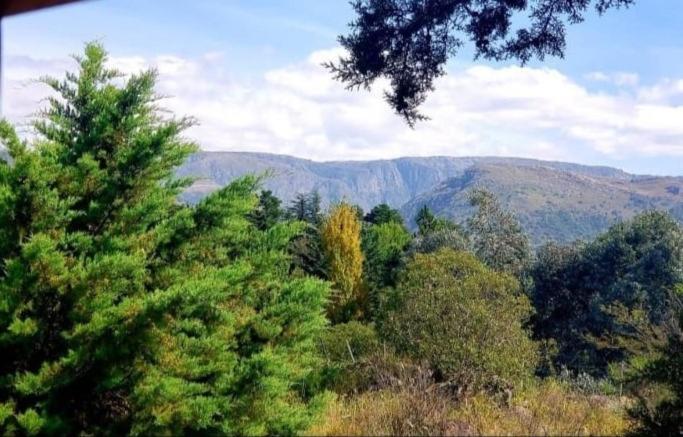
point(554, 204)
point(366, 183)
point(553, 200)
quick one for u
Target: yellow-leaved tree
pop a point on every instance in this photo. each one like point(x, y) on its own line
point(341, 238)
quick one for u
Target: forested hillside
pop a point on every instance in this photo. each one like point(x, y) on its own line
point(553, 200)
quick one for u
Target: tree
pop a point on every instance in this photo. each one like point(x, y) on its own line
point(451, 238)
point(383, 213)
point(587, 296)
point(496, 235)
point(562, 308)
point(305, 208)
point(123, 311)
point(462, 318)
point(267, 212)
point(427, 222)
point(341, 240)
point(306, 248)
point(663, 415)
point(409, 42)
point(384, 247)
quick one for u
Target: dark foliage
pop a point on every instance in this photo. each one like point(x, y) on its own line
point(410, 41)
point(267, 212)
point(383, 213)
point(585, 294)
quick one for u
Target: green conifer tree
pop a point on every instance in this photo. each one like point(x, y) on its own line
point(123, 311)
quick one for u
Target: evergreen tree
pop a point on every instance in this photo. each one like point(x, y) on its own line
point(312, 209)
point(384, 248)
point(409, 42)
point(123, 311)
point(306, 248)
point(425, 220)
point(297, 209)
point(306, 208)
point(383, 213)
point(267, 212)
point(341, 238)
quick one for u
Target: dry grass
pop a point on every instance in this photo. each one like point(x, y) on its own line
point(548, 409)
point(386, 413)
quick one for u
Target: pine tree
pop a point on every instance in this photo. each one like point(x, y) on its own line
point(425, 220)
point(306, 249)
point(123, 311)
point(268, 211)
point(383, 213)
point(341, 238)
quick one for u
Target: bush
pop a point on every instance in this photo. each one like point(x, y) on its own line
point(347, 343)
point(464, 319)
point(346, 348)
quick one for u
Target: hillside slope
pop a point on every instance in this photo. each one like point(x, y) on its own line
point(553, 200)
point(366, 183)
point(554, 204)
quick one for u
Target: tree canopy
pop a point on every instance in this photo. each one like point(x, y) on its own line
point(466, 320)
point(123, 311)
point(409, 41)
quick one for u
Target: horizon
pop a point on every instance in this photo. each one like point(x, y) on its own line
point(252, 78)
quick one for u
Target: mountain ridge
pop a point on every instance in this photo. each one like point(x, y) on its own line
point(554, 200)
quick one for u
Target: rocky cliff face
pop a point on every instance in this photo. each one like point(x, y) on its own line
point(366, 183)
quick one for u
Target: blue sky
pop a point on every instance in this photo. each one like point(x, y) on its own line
point(249, 71)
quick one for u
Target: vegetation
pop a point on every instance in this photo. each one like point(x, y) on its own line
point(341, 238)
point(660, 405)
point(409, 42)
point(580, 291)
point(463, 319)
point(549, 409)
point(122, 311)
point(126, 311)
point(497, 237)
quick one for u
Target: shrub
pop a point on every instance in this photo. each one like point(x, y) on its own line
point(464, 319)
point(346, 343)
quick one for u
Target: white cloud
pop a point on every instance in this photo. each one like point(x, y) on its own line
point(621, 79)
point(481, 110)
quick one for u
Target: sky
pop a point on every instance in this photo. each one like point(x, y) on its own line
point(250, 72)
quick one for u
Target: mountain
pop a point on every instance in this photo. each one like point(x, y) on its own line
point(553, 200)
point(554, 204)
point(366, 183)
